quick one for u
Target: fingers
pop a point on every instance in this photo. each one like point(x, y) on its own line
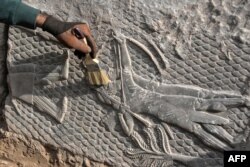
point(90, 40)
point(219, 107)
point(81, 46)
point(92, 45)
point(219, 132)
point(202, 117)
point(220, 104)
point(76, 40)
point(211, 140)
point(73, 42)
point(212, 106)
point(229, 102)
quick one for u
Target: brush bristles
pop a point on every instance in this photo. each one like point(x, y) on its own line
point(96, 75)
point(98, 78)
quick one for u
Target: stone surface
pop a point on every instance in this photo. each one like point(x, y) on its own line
point(180, 82)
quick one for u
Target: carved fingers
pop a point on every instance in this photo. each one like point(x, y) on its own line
point(206, 118)
point(209, 139)
point(219, 132)
point(206, 105)
point(209, 94)
point(219, 104)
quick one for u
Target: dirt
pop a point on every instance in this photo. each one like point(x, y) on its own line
point(17, 151)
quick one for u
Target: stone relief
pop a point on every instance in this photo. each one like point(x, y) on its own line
point(188, 107)
point(24, 77)
point(180, 107)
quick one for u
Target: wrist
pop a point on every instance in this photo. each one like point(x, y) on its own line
point(55, 26)
point(40, 19)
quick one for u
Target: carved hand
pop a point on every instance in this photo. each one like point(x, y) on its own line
point(62, 31)
point(194, 109)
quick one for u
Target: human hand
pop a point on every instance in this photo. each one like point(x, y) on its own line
point(63, 32)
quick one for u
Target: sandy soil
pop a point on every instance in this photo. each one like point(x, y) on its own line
point(17, 151)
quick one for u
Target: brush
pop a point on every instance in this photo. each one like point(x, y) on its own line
point(96, 75)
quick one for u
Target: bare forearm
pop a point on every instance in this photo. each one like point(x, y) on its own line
point(40, 19)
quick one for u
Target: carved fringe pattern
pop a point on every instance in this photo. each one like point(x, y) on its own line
point(153, 145)
point(152, 153)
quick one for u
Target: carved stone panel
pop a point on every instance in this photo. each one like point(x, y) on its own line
point(179, 94)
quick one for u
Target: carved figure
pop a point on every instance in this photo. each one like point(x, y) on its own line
point(188, 107)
